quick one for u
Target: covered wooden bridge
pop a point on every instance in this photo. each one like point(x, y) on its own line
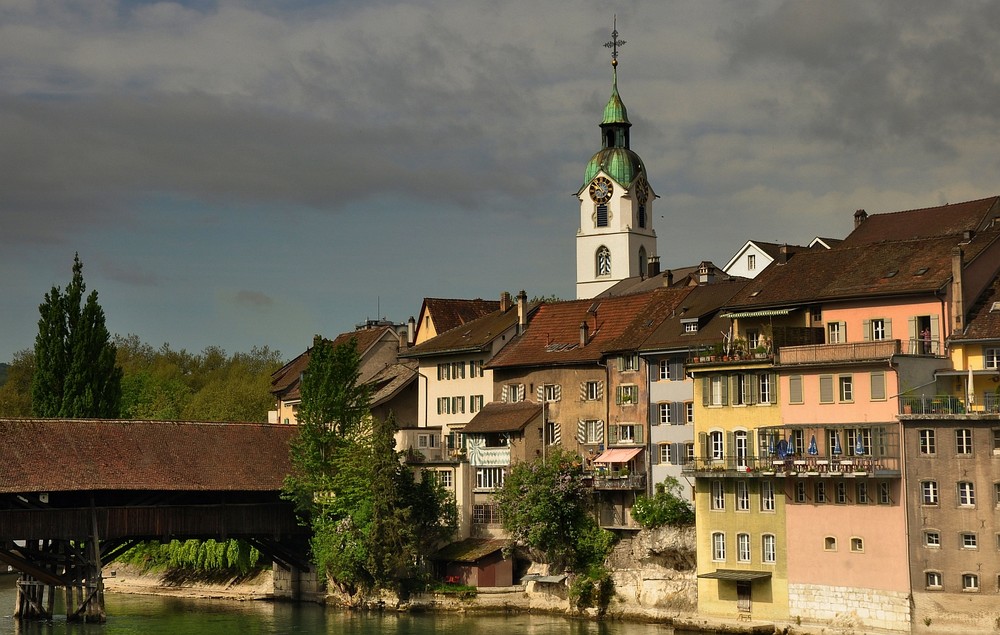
point(75, 494)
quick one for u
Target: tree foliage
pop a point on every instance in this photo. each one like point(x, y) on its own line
point(545, 506)
point(665, 507)
point(76, 375)
point(372, 519)
point(15, 393)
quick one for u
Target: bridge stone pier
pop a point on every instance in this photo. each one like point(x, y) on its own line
point(76, 494)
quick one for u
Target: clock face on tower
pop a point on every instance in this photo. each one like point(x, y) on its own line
point(641, 191)
point(600, 190)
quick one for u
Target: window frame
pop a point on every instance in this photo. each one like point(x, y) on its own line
point(970, 583)
point(966, 494)
point(968, 541)
point(927, 441)
point(767, 503)
point(932, 539)
point(963, 441)
point(742, 496)
point(933, 580)
point(929, 493)
point(768, 549)
point(717, 496)
point(718, 546)
point(743, 547)
point(845, 388)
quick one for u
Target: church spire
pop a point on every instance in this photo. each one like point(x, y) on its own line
point(615, 124)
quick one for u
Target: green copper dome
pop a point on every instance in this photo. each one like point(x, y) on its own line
point(621, 164)
point(615, 111)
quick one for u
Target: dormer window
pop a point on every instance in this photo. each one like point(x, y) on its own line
point(690, 326)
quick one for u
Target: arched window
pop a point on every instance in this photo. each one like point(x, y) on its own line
point(642, 215)
point(642, 261)
point(603, 261)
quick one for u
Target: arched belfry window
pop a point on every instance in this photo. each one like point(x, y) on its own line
point(642, 261)
point(602, 215)
point(642, 215)
point(603, 261)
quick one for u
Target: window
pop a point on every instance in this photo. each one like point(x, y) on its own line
point(751, 262)
point(996, 442)
point(476, 368)
point(691, 326)
point(878, 386)
point(795, 389)
point(846, 383)
point(628, 394)
point(861, 493)
point(743, 498)
point(717, 446)
point(628, 362)
point(830, 543)
point(444, 405)
point(963, 441)
point(594, 430)
point(857, 545)
point(927, 445)
point(841, 493)
point(718, 546)
point(764, 388)
point(552, 392)
point(859, 442)
point(664, 366)
point(815, 314)
point(485, 515)
point(929, 492)
point(741, 442)
point(969, 541)
point(743, 394)
point(996, 494)
point(689, 447)
point(663, 410)
point(603, 258)
point(489, 478)
point(642, 250)
point(970, 582)
point(716, 394)
point(444, 477)
point(991, 358)
point(625, 433)
point(718, 495)
point(592, 391)
point(878, 329)
point(932, 540)
point(933, 579)
point(475, 403)
point(767, 496)
point(768, 549)
point(753, 339)
point(689, 411)
point(665, 453)
point(836, 333)
point(826, 388)
point(458, 370)
point(513, 393)
point(642, 223)
point(800, 492)
point(602, 215)
point(966, 494)
point(458, 405)
point(743, 547)
point(884, 493)
point(820, 492)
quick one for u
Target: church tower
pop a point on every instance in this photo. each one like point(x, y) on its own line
point(616, 238)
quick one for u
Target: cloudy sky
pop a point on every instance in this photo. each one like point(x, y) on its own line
point(251, 173)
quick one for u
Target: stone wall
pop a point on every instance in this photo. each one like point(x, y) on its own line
point(849, 607)
point(656, 569)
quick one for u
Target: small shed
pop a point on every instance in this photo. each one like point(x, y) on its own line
point(476, 562)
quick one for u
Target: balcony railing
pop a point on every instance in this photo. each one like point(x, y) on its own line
point(794, 466)
point(829, 353)
point(619, 482)
point(991, 402)
point(931, 405)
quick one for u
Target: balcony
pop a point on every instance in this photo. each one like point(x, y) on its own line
point(772, 466)
point(838, 353)
point(619, 481)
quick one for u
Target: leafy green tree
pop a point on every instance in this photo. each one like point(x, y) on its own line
point(15, 393)
point(665, 507)
point(76, 374)
point(546, 507)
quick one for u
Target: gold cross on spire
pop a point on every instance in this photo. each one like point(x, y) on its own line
point(614, 44)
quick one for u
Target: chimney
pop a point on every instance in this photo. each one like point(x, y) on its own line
point(411, 331)
point(859, 217)
point(505, 302)
point(653, 266)
point(522, 312)
point(584, 333)
point(967, 235)
point(670, 278)
point(706, 272)
point(957, 302)
point(782, 254)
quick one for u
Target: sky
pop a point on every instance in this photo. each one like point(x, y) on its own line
point(251, 173)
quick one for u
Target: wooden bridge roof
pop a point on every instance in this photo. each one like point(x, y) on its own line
point(58, 455)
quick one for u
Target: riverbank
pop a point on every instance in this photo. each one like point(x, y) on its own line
point(124, 578)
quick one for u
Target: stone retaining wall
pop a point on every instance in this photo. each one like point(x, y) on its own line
point(849, 607)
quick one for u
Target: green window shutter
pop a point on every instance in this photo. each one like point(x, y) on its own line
point(725, 391)
point(706, 451)
point(730, 445)
point(706, 390)
point(638, 437)
point(612, 435)
point(752, 388)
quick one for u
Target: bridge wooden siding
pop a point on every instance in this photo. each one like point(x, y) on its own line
point(105, 484)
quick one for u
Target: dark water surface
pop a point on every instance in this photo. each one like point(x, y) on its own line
point(155, 615)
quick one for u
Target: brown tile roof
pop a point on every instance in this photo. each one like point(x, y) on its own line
point(503, 417)
point(55, 455)
point(469, 550)
point(452, 313)
point(703, 302)
point(387, 383)
point(615, 323)
point(928, 222)
point(899, 267)
point(984, 320)
point(475, 335)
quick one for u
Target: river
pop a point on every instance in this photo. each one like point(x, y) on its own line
point(159, 615)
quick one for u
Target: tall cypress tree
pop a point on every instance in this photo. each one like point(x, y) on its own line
point(76, 375)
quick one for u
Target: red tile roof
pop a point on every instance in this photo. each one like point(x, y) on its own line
point(615, 323)
point(55, 455)
point(703, 302)
point(452, 313)
point(928, 222)
point(475, 335)
point(503, 417)
point(984, 320)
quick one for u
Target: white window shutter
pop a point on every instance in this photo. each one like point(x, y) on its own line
point(540, 393)
point(558, 392)
point(581, 431)
point(520, 392)
point(583, 391)
point(888, 329)
point(600, 432)
point(557, 433)
point(505, 393)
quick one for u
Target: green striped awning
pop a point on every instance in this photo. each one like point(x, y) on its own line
point(760, 313)
point(739, 575)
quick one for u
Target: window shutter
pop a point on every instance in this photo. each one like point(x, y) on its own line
point(520, 392)
point(843, 332)
point(638, 428)
point(867, 327)
point(730, 445)
point(557, 433)
point(752, 388)
point(600, 431)
point(677, 370)
point(677, 414)
point(677, 454)
point(774, 388)
point(581, 431)
point(504, 394)
point(439, 405)
point(706, 390)
point(706, 451)
point(888, 328)
point(583, 391)
point(725, 392)
point(878, 386)
point(654, 414)
point(621, 363)
point(826, 389)
point(913, 345)
point(656, 454)
point(558, 392)
point(934, 336)
point(612, 435)
point(540, 393)
point(795, 389)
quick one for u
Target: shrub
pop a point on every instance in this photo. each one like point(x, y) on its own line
point(665, 507)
